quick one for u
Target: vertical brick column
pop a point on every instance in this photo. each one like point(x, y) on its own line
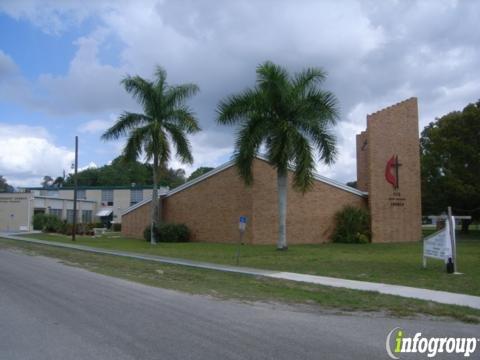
point(394, 173)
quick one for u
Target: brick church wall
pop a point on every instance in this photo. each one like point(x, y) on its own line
point(395, 213)
point(211, 209)
point(362, 161)
point(310, 216)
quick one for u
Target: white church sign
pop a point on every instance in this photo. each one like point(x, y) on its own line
point(438, 245)
point(442, 244)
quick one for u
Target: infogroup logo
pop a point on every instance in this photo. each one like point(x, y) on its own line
point(397, 343)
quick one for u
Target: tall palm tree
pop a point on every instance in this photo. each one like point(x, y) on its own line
point(165, 119)
point(289, 115)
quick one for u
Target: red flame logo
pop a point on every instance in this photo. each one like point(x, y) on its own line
point(391, 171)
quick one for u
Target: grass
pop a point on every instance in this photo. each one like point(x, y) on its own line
point(247, 288)
point(398, 263)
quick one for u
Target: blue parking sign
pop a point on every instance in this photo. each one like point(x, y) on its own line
point(243, 219)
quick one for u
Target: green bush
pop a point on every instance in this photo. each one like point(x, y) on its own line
point(168, 233)
point(38, 221)
point(47, 223)
point(53, 224)
point(116, 227)
point(352, 225)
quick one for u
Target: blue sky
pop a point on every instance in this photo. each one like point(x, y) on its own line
point(61, 64)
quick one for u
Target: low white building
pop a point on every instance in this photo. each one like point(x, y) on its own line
point(17, 210)
point(95, 204)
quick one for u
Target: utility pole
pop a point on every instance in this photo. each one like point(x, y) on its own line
point(75, 187)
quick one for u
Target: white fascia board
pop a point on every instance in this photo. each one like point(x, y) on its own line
point(328, 181)
point(62, 199)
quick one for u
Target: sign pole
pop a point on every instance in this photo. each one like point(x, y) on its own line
point(452, 239)
point(237, 255)
point(241, 228)
point(74, 225)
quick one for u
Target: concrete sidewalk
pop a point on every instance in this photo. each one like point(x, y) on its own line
point(398, 290)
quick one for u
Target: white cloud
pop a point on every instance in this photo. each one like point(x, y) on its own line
point(8, 67)
point(206, 152)
point(90, 165)
point(95, 126)
point(28, 153)
point(53, 16)
point(376, 53)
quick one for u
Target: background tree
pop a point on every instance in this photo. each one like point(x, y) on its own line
point(165, 119)
point(450, 163)
point(4, 187)
point(290, 116)
point(58, 182)
point(172, 177)
point(199, 172)
point(47, 181)
point(122, 172)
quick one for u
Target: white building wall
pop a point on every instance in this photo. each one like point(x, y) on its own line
point(16, 211)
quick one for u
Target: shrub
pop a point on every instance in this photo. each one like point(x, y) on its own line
point(168, 233)
point(116, 227)
point(53, 224)
point(47, 223)
point(38, 221)
point(352, 225)
point(147, 233)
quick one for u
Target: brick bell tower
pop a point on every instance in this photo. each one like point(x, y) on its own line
point(388, 168)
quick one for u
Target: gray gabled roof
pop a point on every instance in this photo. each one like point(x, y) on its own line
point(231, 163)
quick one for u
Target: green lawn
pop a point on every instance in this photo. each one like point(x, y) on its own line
point(247, 288)
point(389, 263)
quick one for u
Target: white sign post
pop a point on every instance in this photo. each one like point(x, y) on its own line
point(438, 245)
point(242, 225)
point(442, 244)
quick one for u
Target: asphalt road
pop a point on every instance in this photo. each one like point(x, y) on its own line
point(52, 311)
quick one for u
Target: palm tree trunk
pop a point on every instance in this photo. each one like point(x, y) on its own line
point(282, 209)
point(155, 204)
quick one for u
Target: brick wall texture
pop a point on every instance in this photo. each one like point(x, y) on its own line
point(395, 213)
point(212, 207)
point(362, 161)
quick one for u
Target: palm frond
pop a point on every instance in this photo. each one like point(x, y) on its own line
point(325, 142)
point(160, 77)
point(323, 104)
point(309, 77)
point(181, 143)
point(176, 95)
point(133, 147)
point(249, 139)
point(126, 122)
point(158, 144)
point(236, 108)
point(274, 85)
point(184, 118)
point(142, 90)
point(304, 163)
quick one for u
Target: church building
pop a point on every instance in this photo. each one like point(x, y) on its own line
point(388, 185)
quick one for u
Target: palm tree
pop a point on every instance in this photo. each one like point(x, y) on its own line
point(165, 119)
point(289, 115)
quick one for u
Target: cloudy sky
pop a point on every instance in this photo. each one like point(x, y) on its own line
point(61, 63)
